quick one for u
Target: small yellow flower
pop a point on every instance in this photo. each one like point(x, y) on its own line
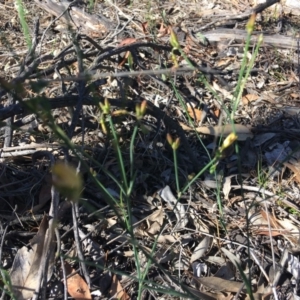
point(169, 139)
point(230, 139)
point(140, 109)
point(250, 24)
point(174, 144)
point(105, 107)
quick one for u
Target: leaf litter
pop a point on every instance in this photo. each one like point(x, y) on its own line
point(229, 233)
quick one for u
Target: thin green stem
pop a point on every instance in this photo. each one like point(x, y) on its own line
point(119, 154)
point(131, 150)
point(25, 28)
point(243, 77)
point(176, 171)
point(211, 163)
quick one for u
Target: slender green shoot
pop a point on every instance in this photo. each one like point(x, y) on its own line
point(25, 28)
point(247, 281)
point(127, 183)
point(175, 145)
point(8, 289)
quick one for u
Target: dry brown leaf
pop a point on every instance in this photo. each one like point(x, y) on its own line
point(144, 27)
point(194, 113)
point(284, 228)
point(295, 95)
point(25, 269)
point(126, 42)
point(219, 284)
point(226, 187)
point(232, 265)
point(257, 220)
point(156, 220)
point(266, 232)
point(201, 248)
point(268, 97)
point(77, 287)
point(262, 222)
point(249, 98)
point(178, 208)
point(224, 61)
point(163, 30)
point(217, 112)
point(224, 92)
point(243, 132)
point(128, 253)
point(202, 294)
point(289, 225)
point(167, 238)
point(140, 232)
point(116, 289)
point(295, 169)
point(269, 218)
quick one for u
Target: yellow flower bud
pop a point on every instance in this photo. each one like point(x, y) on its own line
point(105, 107)
point(143, 107)
point(119, 112)
point(173, 39)
point(250, 24)
point(230, 139)
point(67, 181)
point(170, 139)
point(176, 144)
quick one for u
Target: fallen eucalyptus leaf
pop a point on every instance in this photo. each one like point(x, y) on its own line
point(243, 132)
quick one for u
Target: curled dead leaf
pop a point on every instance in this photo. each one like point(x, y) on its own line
point(195, 113)
point(116, 289)
point(77, 287)
point(26, 265)
point(249, 98)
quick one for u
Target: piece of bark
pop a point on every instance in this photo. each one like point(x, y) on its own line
point(269, 40)
point(91, 25)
